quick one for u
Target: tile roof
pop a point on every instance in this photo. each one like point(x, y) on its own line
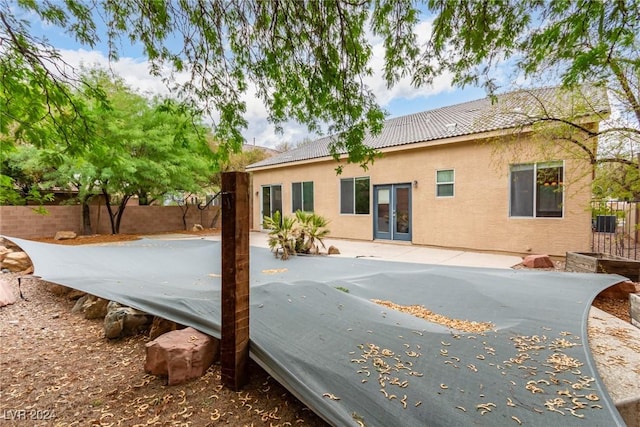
point(508, 110)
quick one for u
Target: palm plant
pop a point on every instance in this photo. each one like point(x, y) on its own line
point(282, 234)
point(312, 229)
point(299, 234)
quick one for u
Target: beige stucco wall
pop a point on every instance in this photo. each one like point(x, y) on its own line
point(477, 217)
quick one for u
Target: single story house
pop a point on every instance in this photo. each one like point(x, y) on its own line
point(496, 174)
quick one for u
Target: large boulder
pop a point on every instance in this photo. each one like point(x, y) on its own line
point(620, 290)
point(17, 261)
point(181, 355)
point(79, 305)
point(65, 235)
point(124, 321)
point(9, 245)
point(95, 308)
point(538, 261)
point(4, 251)
point(161, 326)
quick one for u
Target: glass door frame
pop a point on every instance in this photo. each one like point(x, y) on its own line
point(271, 201)
point(392, 218)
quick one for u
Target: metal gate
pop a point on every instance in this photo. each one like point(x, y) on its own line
point(615, 228)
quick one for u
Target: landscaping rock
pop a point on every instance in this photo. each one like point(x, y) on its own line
point(620, 290)
point(65, 235)
point(634, 311)
point(181, 355)
point(79, 304)
point(333, 250)
point(75, 294)
point(124, 321)
point(538, 261)
point(160, 326)
point(7, 296)
point(3, 253)
point(58, 290)
point(9, 245)
point(95, 308)
point(197, 227)
point(17, 261)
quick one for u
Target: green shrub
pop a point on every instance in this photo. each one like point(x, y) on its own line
point(303, 233)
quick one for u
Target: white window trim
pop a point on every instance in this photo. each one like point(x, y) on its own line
point(453, 182)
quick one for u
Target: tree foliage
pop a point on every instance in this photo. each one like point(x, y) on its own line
point(21, 173)
point(237, 161)
point(144, 148)
point(305, 60)
point(138, 147)
point(308, 60)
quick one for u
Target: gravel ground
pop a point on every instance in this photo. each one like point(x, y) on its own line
point(57, 369)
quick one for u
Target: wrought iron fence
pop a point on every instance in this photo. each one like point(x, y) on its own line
point(615, 228)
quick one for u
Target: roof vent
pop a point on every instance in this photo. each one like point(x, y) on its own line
point(451, 126)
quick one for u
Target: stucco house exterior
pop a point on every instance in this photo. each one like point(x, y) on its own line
point(492, 175)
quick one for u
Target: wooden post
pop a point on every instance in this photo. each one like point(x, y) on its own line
point(234, 345)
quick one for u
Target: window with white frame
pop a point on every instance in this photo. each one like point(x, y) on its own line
point(302, 196)
point(444, 183)
point(536, 190)
point(355, 196)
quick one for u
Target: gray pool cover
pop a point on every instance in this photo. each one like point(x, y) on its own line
point(315, 329)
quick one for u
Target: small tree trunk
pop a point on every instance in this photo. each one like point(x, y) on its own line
point(86, 218)
point(107, 202)
point(120, 212)
point(184, 215)
point(143, 198)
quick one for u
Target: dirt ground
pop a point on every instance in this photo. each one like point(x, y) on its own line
point(57, 369)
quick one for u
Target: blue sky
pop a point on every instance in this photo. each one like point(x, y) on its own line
point(398, 101)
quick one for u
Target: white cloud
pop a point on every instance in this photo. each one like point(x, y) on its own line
point(403, 89)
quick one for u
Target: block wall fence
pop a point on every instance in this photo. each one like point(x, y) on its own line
point(23, 222)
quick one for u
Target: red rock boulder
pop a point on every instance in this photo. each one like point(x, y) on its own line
point(538, 261)
point(181, 355)
point(620, 290)
point(161, 326)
